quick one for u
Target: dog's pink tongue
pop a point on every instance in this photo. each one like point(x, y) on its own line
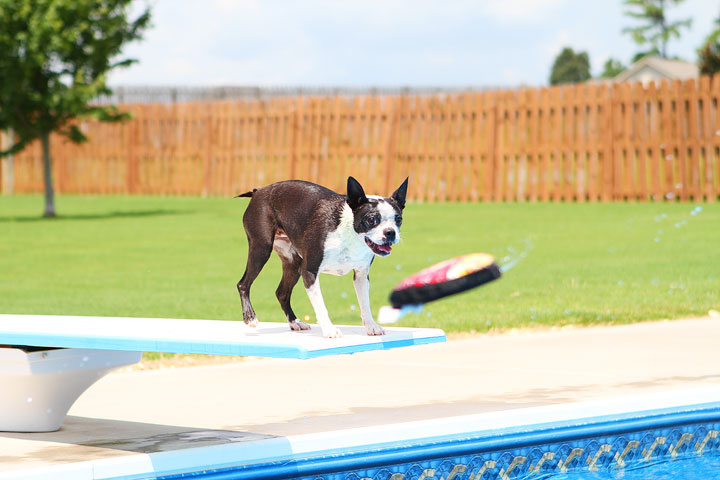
point(385, 247)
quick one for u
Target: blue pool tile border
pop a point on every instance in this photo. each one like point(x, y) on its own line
point(593, 446)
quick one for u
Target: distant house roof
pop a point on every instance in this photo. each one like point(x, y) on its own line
point(656, 68)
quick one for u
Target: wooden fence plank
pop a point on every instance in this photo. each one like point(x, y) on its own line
point(533, 145)
point(640, 172)
point(411, 145)
point(518, 189)
point(477, 145)
point(620, 110)
point(501, 147)
point(512, 146)
point(693, 179)
point(545, 145)
point(556, 174)
point(707, 134)
point(694, 189)
point(651, 147)
point(490, 101)
point(466, 185)
point(630, 136)
point(593, 147)
point(680, 189)
point(715, 132)
point(421, 153)
point(567, 170)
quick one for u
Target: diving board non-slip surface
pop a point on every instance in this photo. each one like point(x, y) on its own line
point(210, 337)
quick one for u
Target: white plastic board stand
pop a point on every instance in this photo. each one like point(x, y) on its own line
point(38, 388)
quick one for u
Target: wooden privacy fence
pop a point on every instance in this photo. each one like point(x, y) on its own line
point(586, 142)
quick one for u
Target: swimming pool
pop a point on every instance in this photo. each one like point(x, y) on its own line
point(557, 441)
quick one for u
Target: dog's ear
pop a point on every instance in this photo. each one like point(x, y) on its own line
point(355, 193)
point(400, 194)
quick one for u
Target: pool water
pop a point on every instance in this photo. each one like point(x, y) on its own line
point(691, 467)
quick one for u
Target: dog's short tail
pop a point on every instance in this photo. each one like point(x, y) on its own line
point(246, 194)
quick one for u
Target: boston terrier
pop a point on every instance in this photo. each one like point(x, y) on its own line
point(315, 230)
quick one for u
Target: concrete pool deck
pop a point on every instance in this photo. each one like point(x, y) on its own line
point(173, 409)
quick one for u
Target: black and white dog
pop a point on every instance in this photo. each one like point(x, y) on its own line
point(315, 230)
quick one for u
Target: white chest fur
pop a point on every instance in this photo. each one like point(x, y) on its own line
point(344, 250)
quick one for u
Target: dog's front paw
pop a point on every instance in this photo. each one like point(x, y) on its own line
point(332, 332)
point(297, 326)
point(252, 323)
point(374, 329)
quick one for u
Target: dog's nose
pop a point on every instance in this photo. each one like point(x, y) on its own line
point(389, 234)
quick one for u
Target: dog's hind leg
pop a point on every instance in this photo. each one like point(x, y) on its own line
point(260, 245)
point(258, 255)
point(291, 275)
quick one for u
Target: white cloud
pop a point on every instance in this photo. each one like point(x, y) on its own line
point(511, 11)
point(552, 48)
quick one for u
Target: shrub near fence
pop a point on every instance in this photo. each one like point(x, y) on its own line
point(585, 142)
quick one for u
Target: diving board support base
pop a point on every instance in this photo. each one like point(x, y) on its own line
point(39, 387)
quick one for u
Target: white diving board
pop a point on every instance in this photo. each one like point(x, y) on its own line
point(209, 337)
point(40, 385)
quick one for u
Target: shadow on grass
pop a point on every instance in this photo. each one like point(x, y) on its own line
point(93, 216)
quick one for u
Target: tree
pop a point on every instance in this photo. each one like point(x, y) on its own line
point(655, 29)
point(570, 67)
point(709, 53)
point(612, 68)
point(54, 58)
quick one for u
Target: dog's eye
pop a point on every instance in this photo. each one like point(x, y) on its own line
point(373, 221)
point(398, 220)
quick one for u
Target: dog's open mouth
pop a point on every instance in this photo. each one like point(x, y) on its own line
point(382, 250)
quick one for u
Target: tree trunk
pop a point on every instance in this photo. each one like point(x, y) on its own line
point(47, 170)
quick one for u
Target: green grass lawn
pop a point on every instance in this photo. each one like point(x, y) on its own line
point(181, 258)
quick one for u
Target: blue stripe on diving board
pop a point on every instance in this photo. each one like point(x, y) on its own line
point(156, 345)
point(383, 345)
point(208, 348)
point(208, 337)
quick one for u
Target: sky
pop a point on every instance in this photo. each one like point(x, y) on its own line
point(385, 43)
